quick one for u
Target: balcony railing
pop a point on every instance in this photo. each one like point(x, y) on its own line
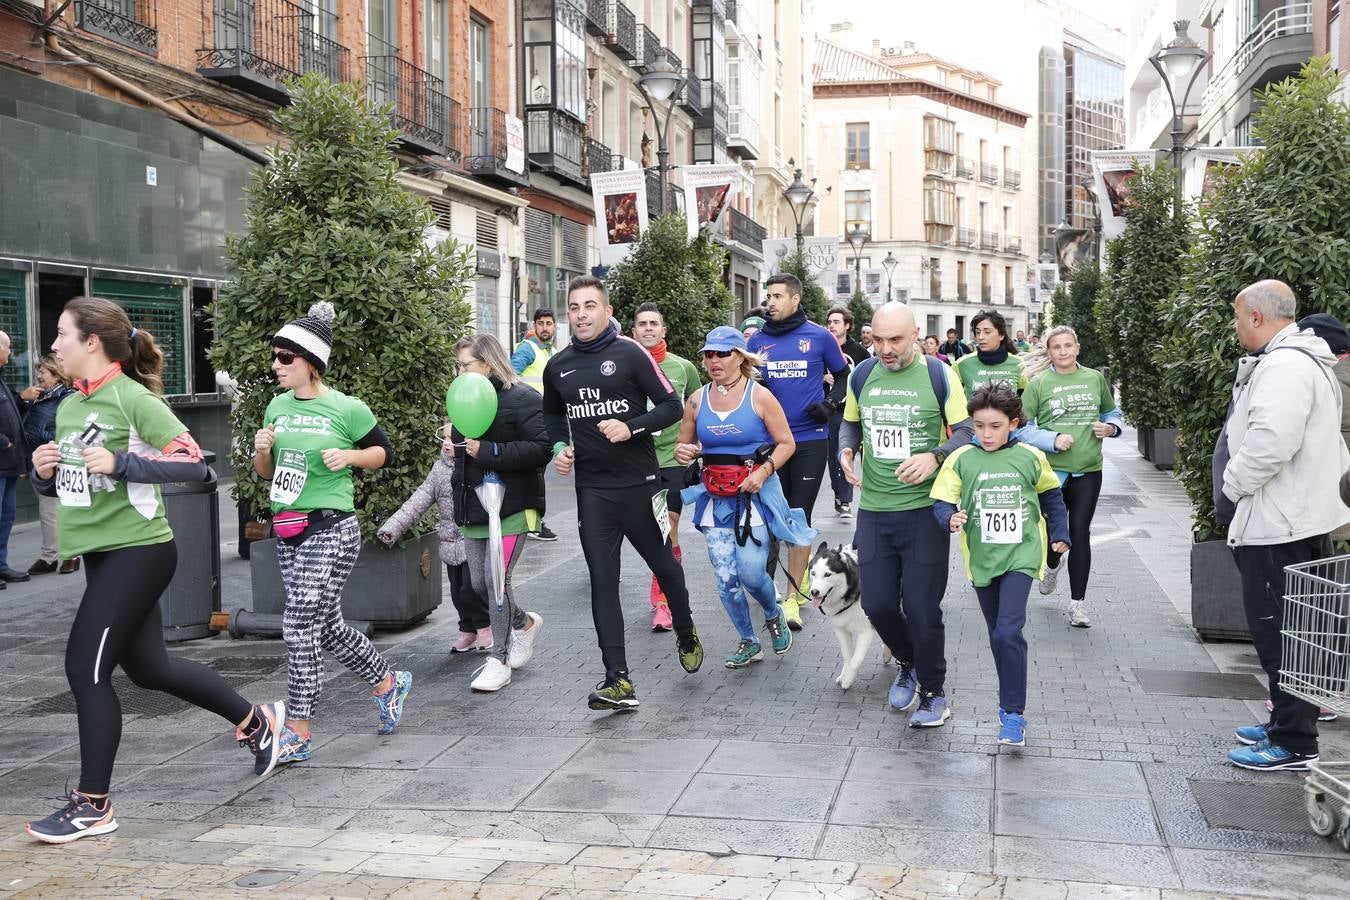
point(1013, 245)
point(935, 286)
point(962, 292)
point(674, 59)
point(715, 109)
point(1008, 296)
point(599, 158)
point(260, 43)
point(129, 22)
point(674, 194)
point(691, 95)
point(986, 293)
point(745, 230)
point(965, 237)
point(1012, 179)
point(487, 149)
point(649, 48)
point(1282, 21)
point(597, 17)
point(988, 240)
point(965, 168)
point(717, 6)
point(555, 143)
point(421, 108)
point(989, 173)
point(621, 30)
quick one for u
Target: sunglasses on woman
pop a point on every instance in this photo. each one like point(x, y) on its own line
point(285, 357)
point(717, 354)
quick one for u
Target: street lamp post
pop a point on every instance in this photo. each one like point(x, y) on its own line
point(857, 239)
point(1180, 60)
point(889, 263)
point(799, 194)
point(659, 86)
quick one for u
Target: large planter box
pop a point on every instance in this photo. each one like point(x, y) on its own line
point(1217, 613)
point(1163, 447)
point(1144, 437)
point(391, 587)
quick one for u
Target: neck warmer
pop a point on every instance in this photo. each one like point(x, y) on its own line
point(659, 352)
point(993, 359)
point(791, 323)
point(87, 386)
point(599, 342)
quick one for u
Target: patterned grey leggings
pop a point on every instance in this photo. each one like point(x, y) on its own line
point(314, 574)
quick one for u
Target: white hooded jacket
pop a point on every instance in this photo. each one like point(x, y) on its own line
point(1286, 455)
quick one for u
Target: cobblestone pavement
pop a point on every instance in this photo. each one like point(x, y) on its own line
point(769, 781)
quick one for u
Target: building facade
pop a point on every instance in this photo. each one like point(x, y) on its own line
point(1148, 111)
point(922, 154)
point(1330, 38)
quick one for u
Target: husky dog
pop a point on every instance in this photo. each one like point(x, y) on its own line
point(836, 591)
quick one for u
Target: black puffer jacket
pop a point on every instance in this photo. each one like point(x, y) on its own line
point(516, 447)
point(13, 448)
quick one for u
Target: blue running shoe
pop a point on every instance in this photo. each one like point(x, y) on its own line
point(931, 712)
point(1267, 757)
point(294, 748)
point(1251, 734)
point(1013, 729)
point(391, 702)
point(905, 686)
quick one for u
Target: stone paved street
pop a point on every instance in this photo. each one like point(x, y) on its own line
point(765, 782)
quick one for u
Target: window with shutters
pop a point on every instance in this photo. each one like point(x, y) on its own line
point(539, 237)
point(485, 232)
point(157, 307)
point(441, 207)
point(574, 250)
point(14, 322)
point(857, 154)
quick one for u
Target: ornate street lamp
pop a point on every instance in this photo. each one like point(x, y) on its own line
point(890, 262)
point(858, 237)
point(1180, 61)
point(799, 194)
point(659, 86)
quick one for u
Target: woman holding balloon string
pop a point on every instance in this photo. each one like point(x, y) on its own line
point(312, 437)
point(509, 446)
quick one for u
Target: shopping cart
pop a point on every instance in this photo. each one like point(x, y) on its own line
point(1315, 645)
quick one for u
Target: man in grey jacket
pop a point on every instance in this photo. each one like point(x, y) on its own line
point(1278, 489)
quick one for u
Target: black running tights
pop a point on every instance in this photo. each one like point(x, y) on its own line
point(1080, 498)
point(119, 624)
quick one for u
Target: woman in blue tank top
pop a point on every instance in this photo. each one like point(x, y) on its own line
point(736, 506)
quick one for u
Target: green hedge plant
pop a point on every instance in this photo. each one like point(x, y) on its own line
point(328, 220)
point(1283, 213)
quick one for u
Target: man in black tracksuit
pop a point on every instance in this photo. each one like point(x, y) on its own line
point(595, 409)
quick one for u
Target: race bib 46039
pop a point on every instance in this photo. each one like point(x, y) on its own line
point(288, 480)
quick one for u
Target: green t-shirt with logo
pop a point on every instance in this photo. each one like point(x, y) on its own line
point(1071, 404)
point(975, 374)
point(899, 417)
point(684, 378)
point(999, 491)
point(304, 429)
point(95, 512)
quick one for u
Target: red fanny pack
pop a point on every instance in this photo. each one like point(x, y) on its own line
point(289, 524)
point(723, 479)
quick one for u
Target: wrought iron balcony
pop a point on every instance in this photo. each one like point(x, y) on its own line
point(989, 173)
point(261, 43)
point(487, 151)
point(621, 30)
point(674, 59)
point(599, 158)
point(731, 10)
point(649, 48)
point(719, 7)
point(1008, 296)
point(988, 240)
point(420, 107)
point(129, 22)
point(965, 237)
point(1013, 245)
point(744, 230)
point(715, 109)
point(555, 143)
point(965, 167)
point(962, 292)
point(597, 17)
point(691, 95)
point(1012, 179)
point(986, 293)
point(935, 287)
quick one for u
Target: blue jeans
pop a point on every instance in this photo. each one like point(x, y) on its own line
point(8, 501)
point(740, 571)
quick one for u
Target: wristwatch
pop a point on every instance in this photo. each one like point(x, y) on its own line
point(939, 455)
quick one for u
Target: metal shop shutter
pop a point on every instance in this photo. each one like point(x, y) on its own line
point(158, 308)
point(575, 252)
point(538, 237)
point(14, 322)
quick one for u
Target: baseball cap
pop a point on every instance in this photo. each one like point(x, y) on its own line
point(724, 337)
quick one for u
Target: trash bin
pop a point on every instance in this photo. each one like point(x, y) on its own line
point(193, 511)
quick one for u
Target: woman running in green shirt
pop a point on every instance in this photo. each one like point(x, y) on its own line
point(995, 358)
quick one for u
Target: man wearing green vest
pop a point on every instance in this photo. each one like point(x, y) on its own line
point(649, 329)
point(528, 361)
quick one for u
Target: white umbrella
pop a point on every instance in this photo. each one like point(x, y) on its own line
point(490, 494)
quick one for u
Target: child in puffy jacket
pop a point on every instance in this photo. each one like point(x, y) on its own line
point(475, 631)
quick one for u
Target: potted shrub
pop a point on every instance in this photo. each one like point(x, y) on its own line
point(1283, 213)
point(328, 220)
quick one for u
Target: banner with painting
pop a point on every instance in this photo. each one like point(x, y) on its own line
point(1113, 170)
point(708, 191)
point(1207, 164)
point(620, 212)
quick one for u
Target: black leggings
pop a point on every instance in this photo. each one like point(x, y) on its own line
point(119, 624)
point(1080, 498)
point(606, 516)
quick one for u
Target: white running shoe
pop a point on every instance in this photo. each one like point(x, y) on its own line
point(493, 675)
point(1078, 616)
point(522, 642)
point(1050, 580)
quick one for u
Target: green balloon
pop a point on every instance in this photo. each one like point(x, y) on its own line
point(471, 403)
